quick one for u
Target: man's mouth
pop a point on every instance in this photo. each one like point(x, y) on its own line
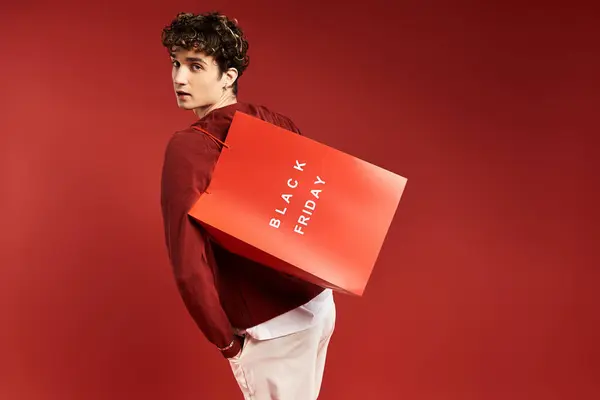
point(182, 93)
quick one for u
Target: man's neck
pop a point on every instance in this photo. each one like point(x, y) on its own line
point(223, 102)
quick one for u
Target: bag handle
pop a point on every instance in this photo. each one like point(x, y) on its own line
point(210, 135)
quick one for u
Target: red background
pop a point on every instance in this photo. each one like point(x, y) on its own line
point(486, 287)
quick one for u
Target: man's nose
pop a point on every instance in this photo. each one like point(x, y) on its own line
point(180, 77)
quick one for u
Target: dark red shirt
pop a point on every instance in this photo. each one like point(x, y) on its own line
point(221, 290)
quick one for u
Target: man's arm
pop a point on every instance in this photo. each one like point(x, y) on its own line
point(184, 179)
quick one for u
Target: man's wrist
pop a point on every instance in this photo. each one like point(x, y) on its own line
point(232, 349)
point(228, 346)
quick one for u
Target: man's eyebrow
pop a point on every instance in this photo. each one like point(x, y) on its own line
point(190, 59)
point(195, 59)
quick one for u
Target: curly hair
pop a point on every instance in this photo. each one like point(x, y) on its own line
point(213, 34)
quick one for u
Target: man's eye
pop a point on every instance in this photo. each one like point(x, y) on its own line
point(175, 63)
point(196, 67)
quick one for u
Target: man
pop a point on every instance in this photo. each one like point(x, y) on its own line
point(273, 329)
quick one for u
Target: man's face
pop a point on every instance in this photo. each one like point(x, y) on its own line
point(197, 80)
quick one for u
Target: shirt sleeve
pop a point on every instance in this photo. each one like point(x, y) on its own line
point(184, 179)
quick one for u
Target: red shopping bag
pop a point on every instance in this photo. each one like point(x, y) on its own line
point(296, 205)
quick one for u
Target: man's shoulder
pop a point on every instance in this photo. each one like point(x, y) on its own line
point(217, 123)
point(184, 133)
point(188, 140)
point(269, 115)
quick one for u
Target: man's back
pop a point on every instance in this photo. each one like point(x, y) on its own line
point(247, 292)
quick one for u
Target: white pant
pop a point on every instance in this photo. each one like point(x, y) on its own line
point(285, 368)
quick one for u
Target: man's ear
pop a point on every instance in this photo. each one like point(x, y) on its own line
point(231, 75)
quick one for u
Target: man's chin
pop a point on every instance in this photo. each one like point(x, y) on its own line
point(186, 107)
